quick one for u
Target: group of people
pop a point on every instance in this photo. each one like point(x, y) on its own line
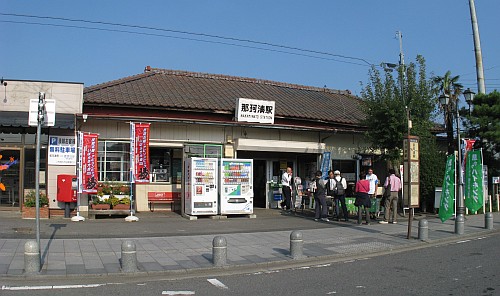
point(336, 185)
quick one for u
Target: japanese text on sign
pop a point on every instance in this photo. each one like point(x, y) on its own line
point(249, 110)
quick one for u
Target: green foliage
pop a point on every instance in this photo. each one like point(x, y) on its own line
point(484, 122)
point(387, 103)
point(125, 201)
point(113, 201)
point(30, 199)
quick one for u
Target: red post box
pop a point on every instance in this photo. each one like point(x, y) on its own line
point(66, 188)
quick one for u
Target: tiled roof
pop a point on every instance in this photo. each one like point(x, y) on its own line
point(161, 89)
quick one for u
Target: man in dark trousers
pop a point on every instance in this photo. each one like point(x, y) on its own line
point(286, 187)
point(339, 195)
point(321, 210)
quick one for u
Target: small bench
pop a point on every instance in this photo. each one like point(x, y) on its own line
point(173, 198)
point(93, 213)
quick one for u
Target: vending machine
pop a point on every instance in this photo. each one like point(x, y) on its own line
point(236, 186)
point(200, 185)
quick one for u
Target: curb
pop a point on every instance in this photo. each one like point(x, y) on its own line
point(413, 244)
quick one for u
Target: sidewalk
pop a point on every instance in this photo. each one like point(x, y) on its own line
point(93, 247)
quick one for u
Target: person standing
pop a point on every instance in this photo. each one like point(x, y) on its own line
point(330, 188)
point(321, 210)
point(286, 186)
point(339, 195)
point(373, 183)
point(392, 183)
point(373, 186)
point(362, 198)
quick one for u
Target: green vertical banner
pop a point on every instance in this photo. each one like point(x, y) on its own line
point(447, 205)
point(474, 180)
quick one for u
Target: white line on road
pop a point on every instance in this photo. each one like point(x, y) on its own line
point(27, 288)
point(463, 241)
point(177, 293)
point(217, 283)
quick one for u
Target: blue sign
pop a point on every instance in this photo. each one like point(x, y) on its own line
point(325, 164)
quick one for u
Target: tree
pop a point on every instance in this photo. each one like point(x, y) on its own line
point(386, 106)
point(484, 123)
point(448, 85)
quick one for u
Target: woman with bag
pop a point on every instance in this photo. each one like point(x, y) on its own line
point(363, 198)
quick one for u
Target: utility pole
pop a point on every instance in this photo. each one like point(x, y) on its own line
point(477, 49)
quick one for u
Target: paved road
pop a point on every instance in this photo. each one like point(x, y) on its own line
point(173, 246)
point(465, 267)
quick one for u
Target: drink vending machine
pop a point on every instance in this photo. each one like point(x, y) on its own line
point(236, 186)
point(200, 183)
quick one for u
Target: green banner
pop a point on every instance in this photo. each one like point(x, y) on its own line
point(474, 181)
point(447, 205)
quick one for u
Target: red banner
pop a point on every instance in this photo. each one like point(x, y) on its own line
point(88, 150)
point(141, 152)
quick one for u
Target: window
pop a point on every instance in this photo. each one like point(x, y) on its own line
point(160, 167)
point(204, 150)
point(114, 161)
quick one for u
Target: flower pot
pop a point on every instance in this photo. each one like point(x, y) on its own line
point(30, 212)
point(121, 207)
point(101, 207)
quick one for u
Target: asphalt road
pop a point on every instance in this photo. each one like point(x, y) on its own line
point(467, 267)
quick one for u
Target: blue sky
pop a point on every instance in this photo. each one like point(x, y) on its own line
point(363, 31)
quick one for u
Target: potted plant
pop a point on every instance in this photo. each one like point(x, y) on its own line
point(29, 206)
point(124, 204)
point(100, 204)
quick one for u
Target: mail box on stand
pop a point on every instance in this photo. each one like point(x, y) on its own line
point(66, 188)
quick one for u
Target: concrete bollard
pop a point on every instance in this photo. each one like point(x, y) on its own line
point(488, 220)
point(31, 257)
point(423, 230)
point(296, 245)
point(219, 251)
point(129, 257)
point(459, 224)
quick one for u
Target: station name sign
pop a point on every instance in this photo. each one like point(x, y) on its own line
point(260, 111)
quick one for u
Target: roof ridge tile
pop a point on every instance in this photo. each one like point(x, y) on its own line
point(244, 79)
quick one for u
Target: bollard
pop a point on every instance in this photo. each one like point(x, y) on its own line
point(488, 220)
point(459, 224)
point(31, 257)
point(219, 251)
point(129, 257)
point(423, 229)
point(296, 245)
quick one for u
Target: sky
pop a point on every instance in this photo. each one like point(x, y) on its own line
point(315, 43)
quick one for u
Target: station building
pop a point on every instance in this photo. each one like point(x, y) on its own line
point(191, 115)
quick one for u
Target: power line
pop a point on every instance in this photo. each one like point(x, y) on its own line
point(366, 63)
point(183, 38)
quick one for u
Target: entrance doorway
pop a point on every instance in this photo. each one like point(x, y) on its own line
point(259, 184)
point(9, 177)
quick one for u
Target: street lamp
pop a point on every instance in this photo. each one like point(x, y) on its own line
point(444, 100)
point(469, 97)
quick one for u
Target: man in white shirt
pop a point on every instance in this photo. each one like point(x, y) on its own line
point(339, 194)
point(286, 186)
point(373, 183)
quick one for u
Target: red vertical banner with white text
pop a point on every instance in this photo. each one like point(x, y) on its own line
point(88, 150)
point(141, 152)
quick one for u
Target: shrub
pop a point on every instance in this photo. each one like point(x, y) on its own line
point(30, 199)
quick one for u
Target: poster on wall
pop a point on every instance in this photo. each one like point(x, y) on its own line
point(62, 150)
point(88, 158)
point(140, 152)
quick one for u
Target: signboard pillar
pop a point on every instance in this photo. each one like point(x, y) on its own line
point(411, 178)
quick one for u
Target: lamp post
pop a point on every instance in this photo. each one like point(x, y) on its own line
point(460, 214)
point(469, 97)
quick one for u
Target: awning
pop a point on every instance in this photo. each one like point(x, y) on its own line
point(279, 146)
point(20, 119)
